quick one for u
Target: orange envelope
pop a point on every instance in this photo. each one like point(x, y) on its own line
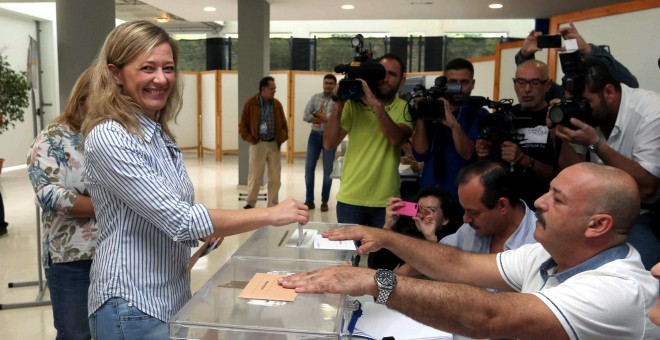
point(264, 286)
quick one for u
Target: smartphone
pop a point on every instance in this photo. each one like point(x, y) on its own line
point(409, 209)
point(211, 247)
point(549, 41)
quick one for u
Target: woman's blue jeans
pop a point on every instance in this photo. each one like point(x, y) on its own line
point(68, 284)
point(118, 319)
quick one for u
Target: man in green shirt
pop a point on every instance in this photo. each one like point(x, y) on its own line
point(377, 126)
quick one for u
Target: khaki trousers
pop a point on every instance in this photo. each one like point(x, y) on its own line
point(262, 154)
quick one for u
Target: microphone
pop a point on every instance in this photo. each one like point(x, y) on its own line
point(477, 101)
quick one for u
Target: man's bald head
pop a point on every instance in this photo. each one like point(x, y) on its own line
point(613, 192)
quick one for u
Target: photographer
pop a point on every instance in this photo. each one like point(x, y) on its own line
point(377, 126)
point(625, 136)
point(532, 158)
point(446, 145)
point(530, 47)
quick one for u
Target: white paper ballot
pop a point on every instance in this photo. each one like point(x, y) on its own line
point(307, 239)
point(313, 239)
point(378, 321)
point(323, 243)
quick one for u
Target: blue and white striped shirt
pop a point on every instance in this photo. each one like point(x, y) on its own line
point(143, 199)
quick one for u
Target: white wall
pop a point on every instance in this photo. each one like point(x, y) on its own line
point(633, 40)
point(185, 127)
point(230, 110)
point(208, 110)
point(14, 42)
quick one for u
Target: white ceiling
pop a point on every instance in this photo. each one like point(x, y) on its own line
point(189, 14)
point(227, 10)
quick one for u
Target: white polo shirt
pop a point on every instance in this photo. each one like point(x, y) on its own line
point(636, 132)
point(606, 297)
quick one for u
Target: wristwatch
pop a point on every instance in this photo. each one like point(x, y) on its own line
point(594, 147)
point(386, 281)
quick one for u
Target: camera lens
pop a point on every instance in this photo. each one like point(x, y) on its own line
point(557, 114)
point(354, 88)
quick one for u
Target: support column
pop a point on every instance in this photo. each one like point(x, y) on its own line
point(253, 63)
point(82, 26)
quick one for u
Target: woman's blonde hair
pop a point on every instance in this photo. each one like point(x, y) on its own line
point(106, 101)
point(75, 109)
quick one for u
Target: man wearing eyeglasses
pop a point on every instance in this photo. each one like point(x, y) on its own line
point(446, 145)
point(531, 160)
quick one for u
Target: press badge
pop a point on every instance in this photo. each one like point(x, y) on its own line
point(263, 128)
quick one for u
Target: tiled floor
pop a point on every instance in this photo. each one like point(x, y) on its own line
point(215, 186)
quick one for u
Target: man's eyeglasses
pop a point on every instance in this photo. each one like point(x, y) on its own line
point(536, 82)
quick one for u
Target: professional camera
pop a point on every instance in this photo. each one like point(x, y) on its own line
point(499, 125)
point(362, 67)
point(573, 82)
point(429, 108)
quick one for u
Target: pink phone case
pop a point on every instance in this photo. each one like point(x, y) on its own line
point(410, 209)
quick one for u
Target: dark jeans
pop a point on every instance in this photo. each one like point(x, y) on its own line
point(118, 319)
point(68, 284)
point(314, 149)
point(644, 239)
point(373, 217)
point(3, 223)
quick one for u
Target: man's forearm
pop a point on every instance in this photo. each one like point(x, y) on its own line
point(331, 133)
point(420, 143)
point(464, 145)
point(392, 131)
point(473, 312)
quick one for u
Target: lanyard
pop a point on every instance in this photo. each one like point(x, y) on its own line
point(264, 113)
point(324, 104)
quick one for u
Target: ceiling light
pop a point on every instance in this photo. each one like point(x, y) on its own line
point(209, 9)
point(163, 19)
point(495, 6)
point(347, 6)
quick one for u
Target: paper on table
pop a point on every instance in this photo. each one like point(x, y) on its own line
point(323, 243)
point(378, 321)
point(264, 286)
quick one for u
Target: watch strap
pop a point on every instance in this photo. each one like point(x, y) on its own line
point(386, 281)
point(383, 296)
point(594, 147)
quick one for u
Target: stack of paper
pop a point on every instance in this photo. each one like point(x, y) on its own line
point(378, 321)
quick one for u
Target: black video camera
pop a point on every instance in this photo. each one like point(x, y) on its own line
point(362, 67)
point(573, 82)
point(429, 108)
point(498, 126)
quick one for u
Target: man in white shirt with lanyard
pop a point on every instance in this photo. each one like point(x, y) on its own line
point(317, 112)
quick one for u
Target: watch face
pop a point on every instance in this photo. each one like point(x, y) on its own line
point(385, 277)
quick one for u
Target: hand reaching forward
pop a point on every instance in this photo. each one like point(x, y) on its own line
point(372, 239)
point(354, 281)
point(287, 212)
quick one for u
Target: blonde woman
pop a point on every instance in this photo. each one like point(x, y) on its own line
point(135, 173)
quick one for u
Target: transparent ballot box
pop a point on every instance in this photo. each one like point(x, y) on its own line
point(280, 243)
point(217, 312)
